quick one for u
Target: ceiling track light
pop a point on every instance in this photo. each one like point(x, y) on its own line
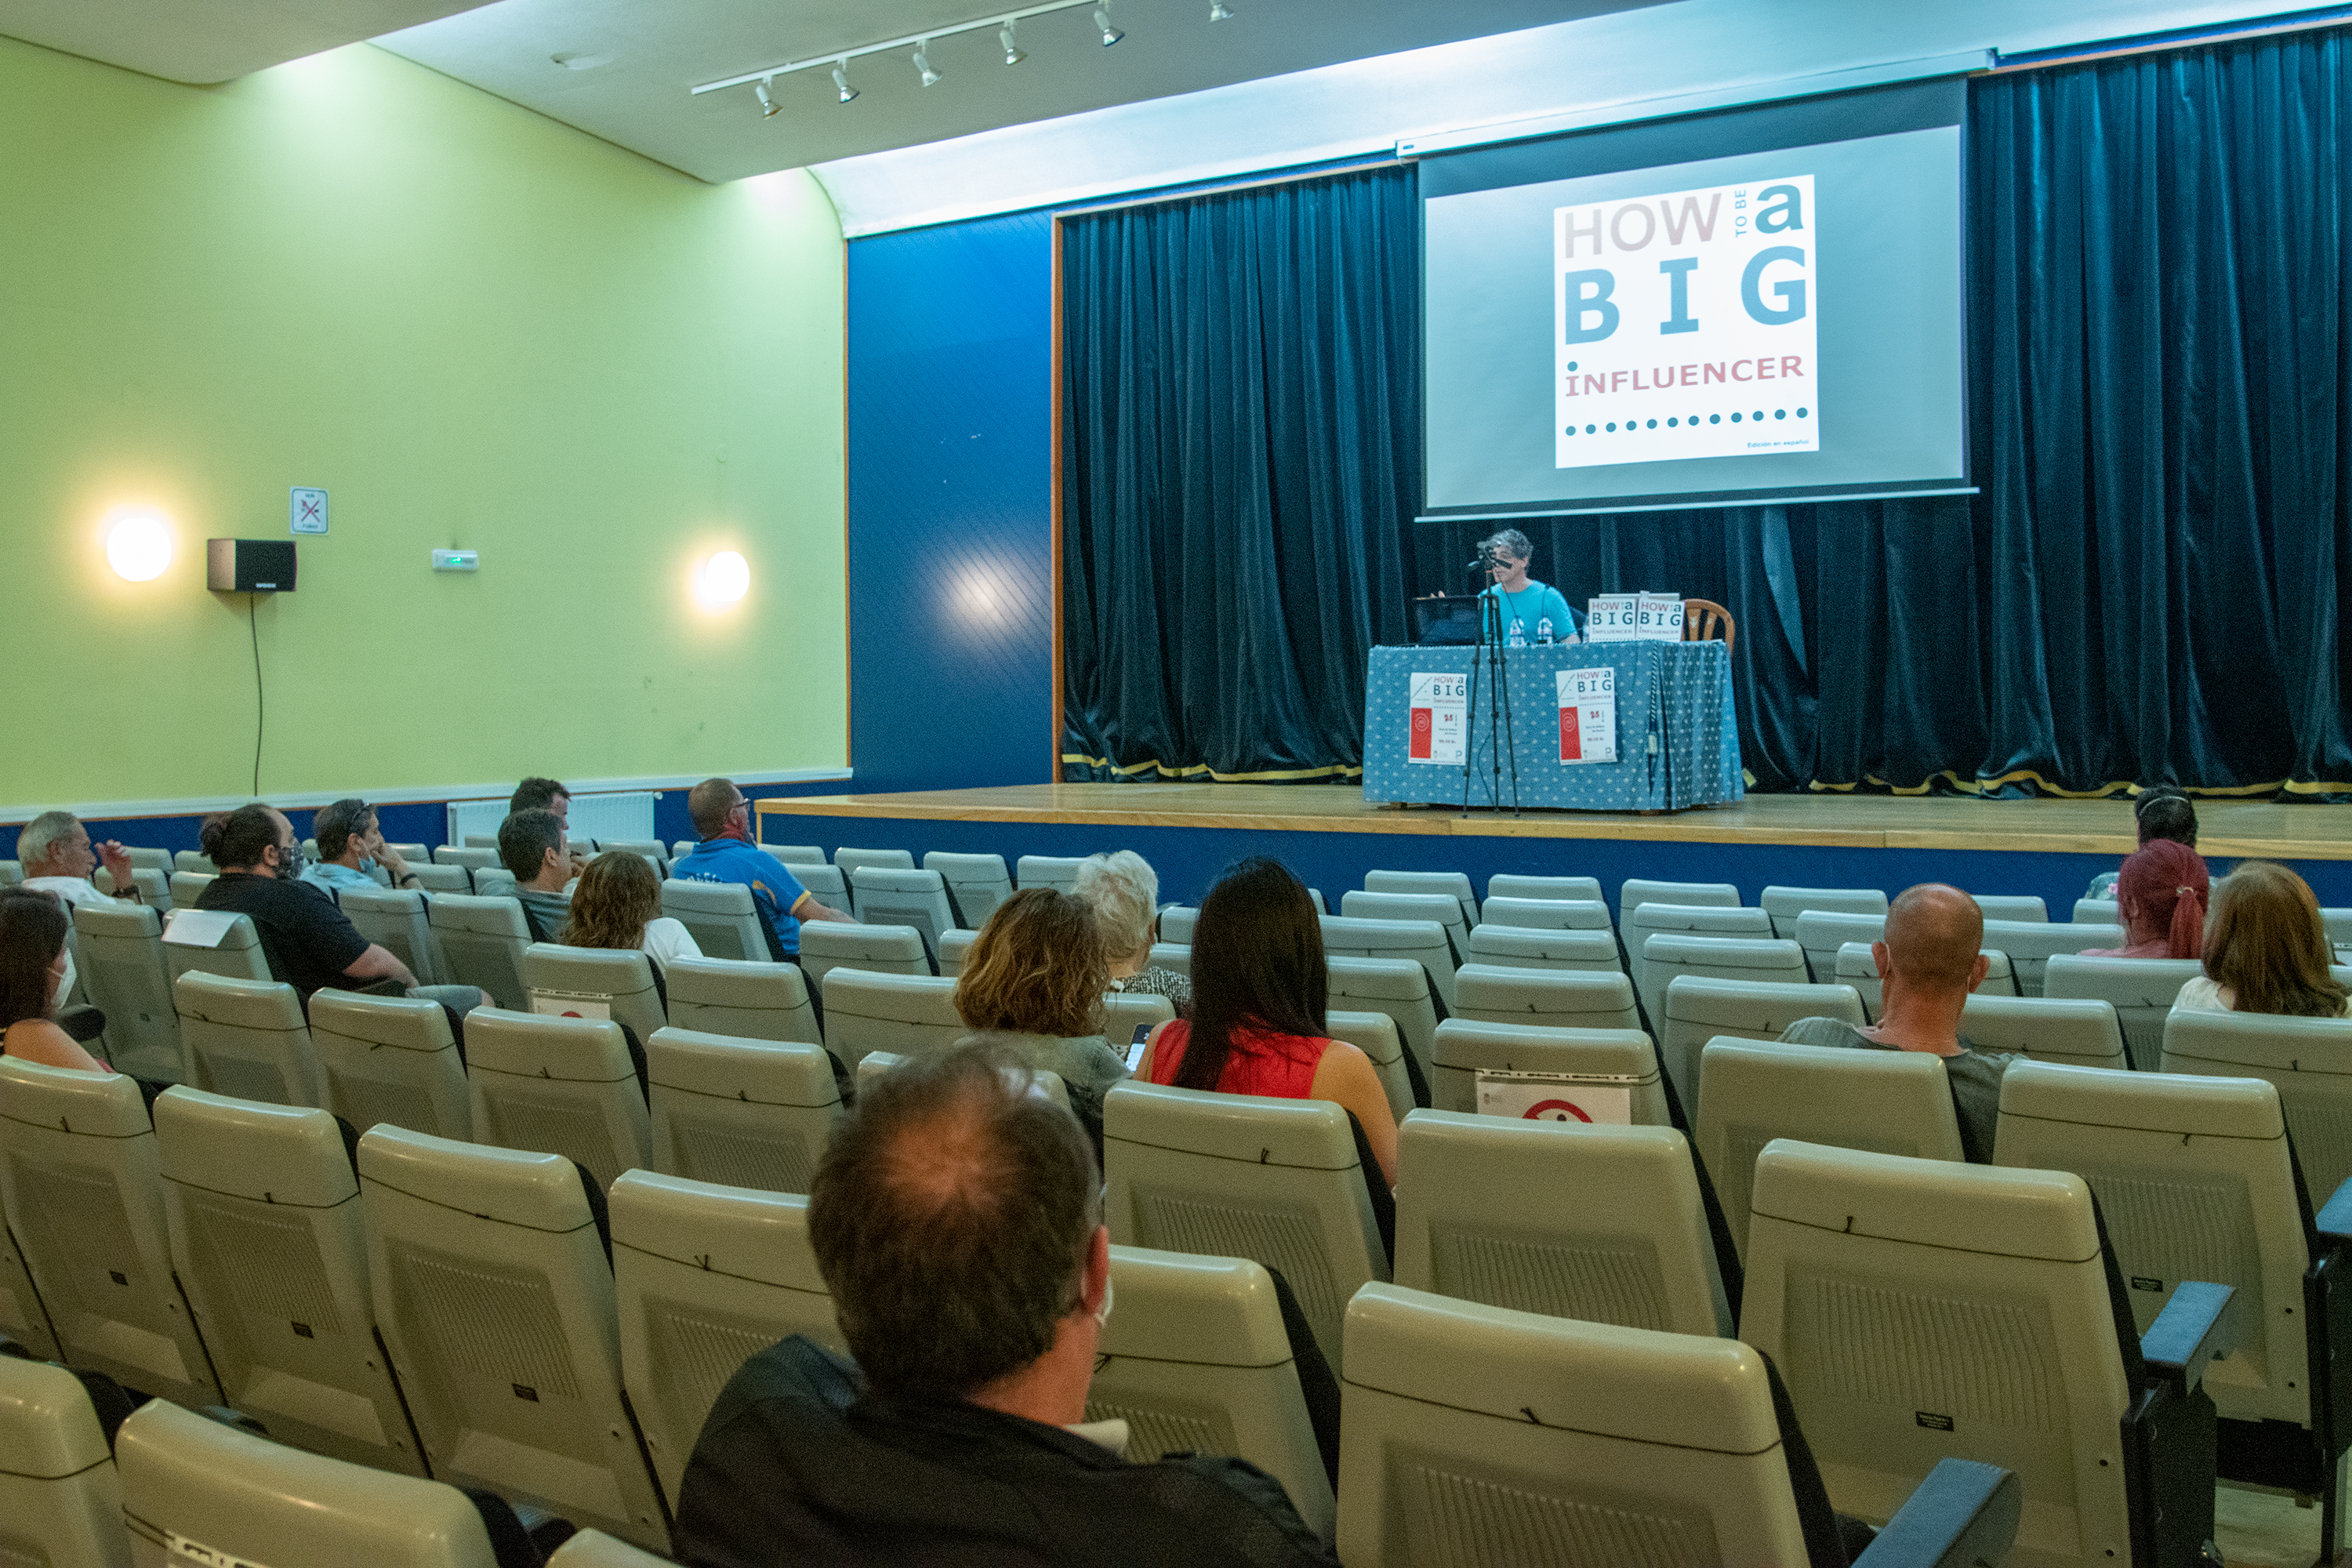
point(1013, 53)
point(923, 64)
point(1110, 35)
point(767, 104)
point(841, 81)
point(1220, 12)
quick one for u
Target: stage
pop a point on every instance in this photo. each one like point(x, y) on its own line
point(2047, 846)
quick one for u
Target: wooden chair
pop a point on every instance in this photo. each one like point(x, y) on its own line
point(1703, 620)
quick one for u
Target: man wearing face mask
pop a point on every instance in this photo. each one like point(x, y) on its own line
point(351, 846)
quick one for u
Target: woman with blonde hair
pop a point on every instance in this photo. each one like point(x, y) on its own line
point(1124, 892)
point(2266, 950)
point(1036, 975)
point(617, 904)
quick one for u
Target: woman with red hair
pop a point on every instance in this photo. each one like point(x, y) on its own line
point(2164, 890)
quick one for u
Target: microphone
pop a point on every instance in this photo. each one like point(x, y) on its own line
point(1478, 565)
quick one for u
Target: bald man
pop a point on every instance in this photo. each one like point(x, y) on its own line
point(1930, 958)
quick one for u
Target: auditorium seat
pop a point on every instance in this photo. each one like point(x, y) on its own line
point(262, 1208)
point(2031, 944)
point(2014, 906)
point(1176, 923)
point(143, 858)
point(1919, 1309)
point(415, 854)
point(1785, 904)
point(886, 895)
point(1423, 941)
point(1195, 1360)
point(2141, 991)
point(491, 841)
point(594, 983)
point(704, 1275)
point(1698, 1008)
point(1601, 1223)
point(484, 939)
point(743, 1114)
point(1509, 885)
point(2098, 911)
point(12, 873)
point(1231, 1175)
point(119, 954)
point(84, 1198)
point(1635, 928)
point(494, 1291)
point(1375, 1035)
point(954, 947)
point(1524, 947)
point(848, 860)
point(2307, 1060)
point(722, 917)
point(1857, 966)
point(155, 885)
point(247, 1038)
point(1397, 986)
point(1056, 871)
point(1443, 907)
point(656, 853)
point(392, 1059)
point(749, 998)
point(976, 884)
point(879, 950)
point(433, 880)
point(22, 1318)
point(595, 1549)
point(1042, 1080)
point(1894, 1103)
point(2075, 1033)
point(1547, 998)
point(61, 1501)
point(791, 855)
point(1635, 891)
point(829, 885)
point(1547, 914)
point(1669, 956)
point(397, 920)
point(238, 953)
point(1126, 1011)
point(867, 1011)
point(1455, 885)
point(472, 859)
point(557, 1086)
point(1475, 1434)
point(1821, 932)
point(191, 860)
point(1465, 1049)
point(1172, 955)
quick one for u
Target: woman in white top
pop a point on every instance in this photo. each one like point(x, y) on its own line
point(616, 903)
point(2266, 950)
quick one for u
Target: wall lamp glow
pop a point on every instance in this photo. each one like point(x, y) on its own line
point(767, 104)
point(841, 82)
point(724, 579)
point(139, 546)
point(923, 63)
point(1110, 35)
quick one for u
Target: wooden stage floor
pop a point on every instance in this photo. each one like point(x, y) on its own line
point(2228, 830)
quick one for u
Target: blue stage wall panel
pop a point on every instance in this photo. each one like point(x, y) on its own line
point(951, 523)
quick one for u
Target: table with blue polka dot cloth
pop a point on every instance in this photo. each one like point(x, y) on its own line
point(1678, 732)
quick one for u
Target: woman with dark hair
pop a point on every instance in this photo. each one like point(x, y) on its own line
point(1259, 983)
point(2265, 950)
point(2161, 813)
point(1035, 979)
point(2163, 891)
point(32, 967)
point(617, 904)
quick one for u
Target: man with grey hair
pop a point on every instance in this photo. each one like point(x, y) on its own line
point(1124, 893)
point(1530, 611)
point(957, 1220)
point(57, 856)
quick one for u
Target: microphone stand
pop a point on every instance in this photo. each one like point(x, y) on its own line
point(1492, 654)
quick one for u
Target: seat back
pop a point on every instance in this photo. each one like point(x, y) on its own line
point(80, 1185)
point(143, 858)
point(1857, 966)
point(1056, 871)
point(2196, 1181)
point(1669, 956)
point(472, 859)
point(119, 954)
point(1126, 1011)
point(247, 1038)
point(850, 860)
point(2011, 907)
point(433, 880)
point(2307, 1060)
point(877, 949)
point(954, 947)
point(2076, 1033)
point(483, 939)
point(263, 1209)
point(594, 983)
point(194, 860)
point(705, 1277)
point(749, 998)
point(22, 1318)
point(155, 885)
point(395, 920)
point(976, 885)
point(742, 1113)
point(494, 881)
point(865, 1011)
point(892, 896)
point(2032, 943)
point(1446, 909)
point(390, 1059)
point(60, 1503)
point(1547, 914)
point(1244, 1176)
point(1423, 941)
point(826, 884)
point(1635, 891)
point(1195, 1360)
point(1521, 947)
point(1172, 955)
point(1890, 1102)
point(494, 1294)
point(2141, 991)
point(1545, 998)
point(1700, 1007)
point(1785, 904)
point(1026, 1079)
point(1176, 923)
point(720, 916)
point(795, 855)
point(2099, 912)
point(1821, 933)
point(1636, 926)
point(557, 1086)
point(187, 887)
point(1920, 1310)
point(1453, 885)
point(1507, 885)
point(1604, 1223)
point(1375, 1035)
point(237, 955)
point(1596, 1056)
point(1475, 1434)
point(1397, 986)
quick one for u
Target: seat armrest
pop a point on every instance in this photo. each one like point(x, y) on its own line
point(2195, 1326)
point(2335, 1221)
point(1964, 1513)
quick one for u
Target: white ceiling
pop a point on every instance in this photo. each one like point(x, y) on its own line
point(206, 41)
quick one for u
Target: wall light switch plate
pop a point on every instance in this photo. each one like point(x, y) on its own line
point(456, 560)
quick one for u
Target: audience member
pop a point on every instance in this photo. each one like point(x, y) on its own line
point(1124, 892)
point(2266, 950)
point(1930, 958)
point(1259, 985)
point(618, 905)
point(2163, 891)
point(2162, 815)
point(57, 856)
point(542, 794)
point(722, 819)
point(33, 926)
point(1036, 975)
point(308, 942)
point(349, 845)
point(533, 845)
point(957, 1220)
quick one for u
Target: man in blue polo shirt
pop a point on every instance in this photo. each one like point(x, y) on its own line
point(722, 818)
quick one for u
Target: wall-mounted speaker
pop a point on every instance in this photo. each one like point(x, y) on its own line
point(249, 565)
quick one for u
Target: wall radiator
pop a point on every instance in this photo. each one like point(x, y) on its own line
point(622, 814)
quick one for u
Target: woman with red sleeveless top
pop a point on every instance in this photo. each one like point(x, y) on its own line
point(1258, 988)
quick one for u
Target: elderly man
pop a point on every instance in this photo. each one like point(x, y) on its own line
point(722, 818)
point(57, 856)
point(1930, 957)
point(349, 843)
point(957, 1218)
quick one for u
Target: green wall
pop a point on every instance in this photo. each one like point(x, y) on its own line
point(475, 328)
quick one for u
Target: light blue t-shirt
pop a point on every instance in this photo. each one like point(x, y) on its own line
point(774, 891)
point(1525, 612)
point(333, 878)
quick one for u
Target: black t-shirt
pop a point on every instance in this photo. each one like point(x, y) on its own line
point(307, 940)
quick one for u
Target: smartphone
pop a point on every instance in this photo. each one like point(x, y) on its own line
point(1134, 1046)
